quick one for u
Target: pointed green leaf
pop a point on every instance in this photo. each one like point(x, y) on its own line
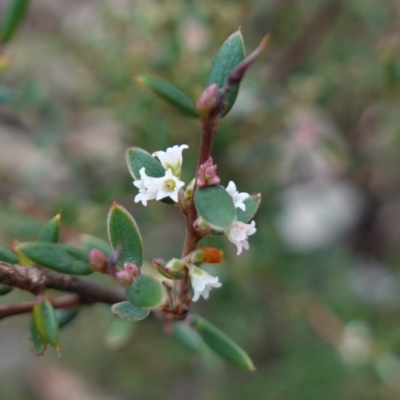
point(229, 55)
point(170, 94)
point(15, 14)
point(5, 289)
point(38, 343)
point(123, 230)
point(215, 206)
point(221, 343)
point(6, 255)
point(252, 203)
point(66, 316)
point(58, 257)
point(188, 338)
point(127, 310)
point(51, 230)
point(137, 158)
point(46, 322)
point(145, 292)
point(93, 242)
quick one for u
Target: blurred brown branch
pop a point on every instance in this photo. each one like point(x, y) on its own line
point(35, 280)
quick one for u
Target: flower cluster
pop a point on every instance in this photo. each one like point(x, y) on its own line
point(158, 188)
point(151, 188)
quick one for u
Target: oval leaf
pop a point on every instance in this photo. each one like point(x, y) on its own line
point(58, 257)
point(221, 343)
point(252, 203)
point(170, 94)
point(46, 322)
point(51, 230)
point(145, 292)
point(16, 13)
point(127, 310)
point(137, 158)
point(66, 316)
point(6, 255)
point(215, 206)
point(5, 289)
point(122, 230)
point(229, 55)
point(93, 242)
point(39, 344)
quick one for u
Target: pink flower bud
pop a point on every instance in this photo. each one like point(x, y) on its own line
point(132, 269)
point(124, 277)
point(207, 100)
point(98, 260)
point(207, 174)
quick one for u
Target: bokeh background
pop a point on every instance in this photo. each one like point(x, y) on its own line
point(316, 129)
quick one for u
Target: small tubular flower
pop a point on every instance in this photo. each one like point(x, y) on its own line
point(236, 196)
point(148, 187)
point(168, 186)
point(238, 234)
point(172, 158)
point(202, 282)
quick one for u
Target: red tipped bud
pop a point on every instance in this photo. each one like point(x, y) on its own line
point(98, 261)
point(207, 100)
point(207, 174)
point(124, 277)
point(132, 269)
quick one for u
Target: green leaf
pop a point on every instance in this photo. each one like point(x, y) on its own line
point(171, 94)
point(229, 55)
point(160, 267)
point(188, 338)
point(58, 257)
point(123, 230)
point(221, 343)
point(46, 322)
point(6, 255)
point(5, 289)
point(93, 242)
point(215, 206)
point(118, 333)
point(127, 310)
point(39, 344)
point(145, 292)
point(252, 203)
point(15, 14)
point(137, 158)
point(51, 230)
point(66, 316)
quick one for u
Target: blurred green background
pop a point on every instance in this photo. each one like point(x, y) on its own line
point(316, 129)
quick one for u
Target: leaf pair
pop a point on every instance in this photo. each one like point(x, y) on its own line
point(229, 56)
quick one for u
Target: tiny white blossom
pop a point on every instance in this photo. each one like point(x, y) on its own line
point(172, 158)
point(148, 188)
point(202, 282)
point(168, 186)
point(238, 234)
point(236, 196)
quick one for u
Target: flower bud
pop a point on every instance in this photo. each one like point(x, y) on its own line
point(207, 100)
point(207, 174)
point(188, 194)
point(98, 261)
point(201, 226)
point(132, 269)
point(175, 265)
point(202, 255)
point(124, 277)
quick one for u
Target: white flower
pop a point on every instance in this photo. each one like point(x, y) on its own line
point(236, 196)
point(148, 188)
point(172, 158)
point(202, 282)
point(168, 186)
point(238, 234)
